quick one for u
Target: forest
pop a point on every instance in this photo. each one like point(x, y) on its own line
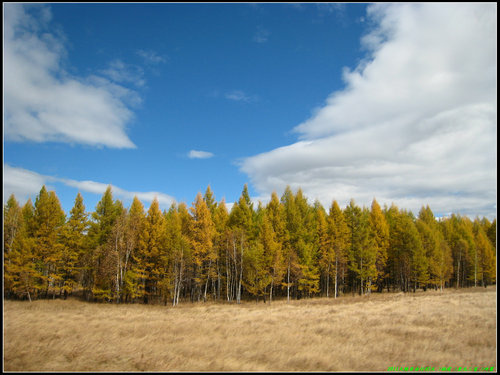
point(286, 249)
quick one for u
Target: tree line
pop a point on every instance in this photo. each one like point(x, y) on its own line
point(287, 248)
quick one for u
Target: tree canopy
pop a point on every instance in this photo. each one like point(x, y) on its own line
point(288, 248)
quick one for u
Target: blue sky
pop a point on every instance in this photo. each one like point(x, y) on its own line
point(343, 100)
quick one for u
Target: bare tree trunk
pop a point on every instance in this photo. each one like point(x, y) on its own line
point(234, 289)
point(27, 287)
point(241, 271)
point(175, 290)
point(402, 280)
point(328, 280)
point(361, 278)
point(118, 267)
point(47, 289)
point(336, 275)
point(271, 290)
point(288, 283)
point(218, 279)
point(118, 284)
point(181, 270)
point(175, 282)
point(228, 274)
point(235, 278)
point(206, 282)
point(124, 268)
point(475, 269)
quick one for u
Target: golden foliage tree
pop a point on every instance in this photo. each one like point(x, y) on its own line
point(151, 256)
point(48, 223)
point(379, 233)
point(204, 253)
point(75, 246)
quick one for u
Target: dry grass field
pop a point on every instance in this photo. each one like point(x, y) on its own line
point(370, 333)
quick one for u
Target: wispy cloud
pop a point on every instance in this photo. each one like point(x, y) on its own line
point(261, 35)
point(100, 188)
point(120, 72)
point(416, 123)
point(151, 57)
point(42, 101)
point(240, 96)
point(196, 154)
point(24, 183)
point(337, 8)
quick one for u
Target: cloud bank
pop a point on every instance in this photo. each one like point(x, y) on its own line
point(24, 183)
point(415, 123)
point(21, 182)
point(43, 102)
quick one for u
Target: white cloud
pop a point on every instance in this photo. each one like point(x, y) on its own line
point(415, 124)
point(42, 101)
point(229, 206)
point(21, 182)
point(195, 154)
point(24, 183)
point(163, 199)
point(100, 188)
